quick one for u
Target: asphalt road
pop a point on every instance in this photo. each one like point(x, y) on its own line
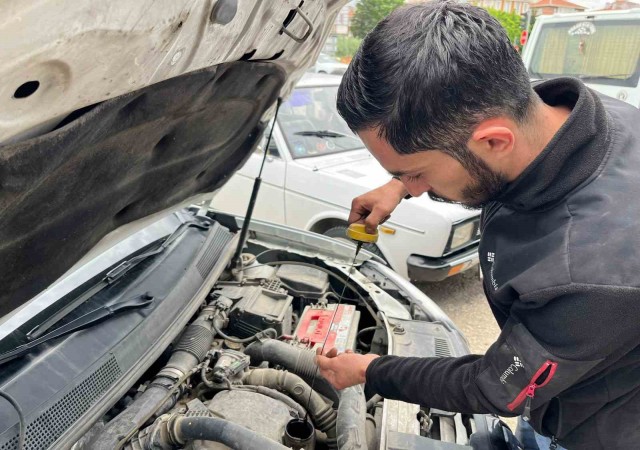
point(461, 297)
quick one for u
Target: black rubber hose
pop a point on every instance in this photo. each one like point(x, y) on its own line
point(363, 331)
point(323, 415)
point(219, 430)
point(22, 430)
point(298, 360)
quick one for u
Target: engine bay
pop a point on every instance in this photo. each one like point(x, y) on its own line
point(242, 374)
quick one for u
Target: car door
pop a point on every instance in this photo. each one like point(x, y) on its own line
point(234, 196)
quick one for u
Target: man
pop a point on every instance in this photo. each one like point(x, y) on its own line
point(442, 100)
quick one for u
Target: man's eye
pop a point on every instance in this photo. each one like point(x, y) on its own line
point(413, 177)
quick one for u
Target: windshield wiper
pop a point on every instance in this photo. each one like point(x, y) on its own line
point(605, 77)
point(322, 134)
point(89, 319)
point(111, 277)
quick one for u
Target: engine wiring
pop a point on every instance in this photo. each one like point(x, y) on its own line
point(269, 332)
point(363, 331)
point(22, 423)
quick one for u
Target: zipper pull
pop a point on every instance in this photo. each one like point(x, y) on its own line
point(554, 443)
point(526, 413)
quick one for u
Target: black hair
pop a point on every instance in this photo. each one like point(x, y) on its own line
point(428, 74)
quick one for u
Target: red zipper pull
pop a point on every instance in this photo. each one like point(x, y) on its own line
point(531, 392)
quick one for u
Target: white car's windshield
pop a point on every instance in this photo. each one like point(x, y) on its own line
point(312, 126)
point(326, 59)
point(603, 52)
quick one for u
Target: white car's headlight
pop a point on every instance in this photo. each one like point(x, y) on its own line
point(463, 234)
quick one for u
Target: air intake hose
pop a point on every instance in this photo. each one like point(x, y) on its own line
point(352, 419)
point(322, 414)
point(176, 430)
point(188, 353)
point(300, 361)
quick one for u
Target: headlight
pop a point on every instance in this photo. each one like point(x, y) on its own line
point(462, 234)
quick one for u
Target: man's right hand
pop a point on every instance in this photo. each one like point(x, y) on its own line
point(375, 207)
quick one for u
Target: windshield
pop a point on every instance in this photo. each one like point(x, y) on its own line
point(312, 126)
point(326, 59)
point(602, 52)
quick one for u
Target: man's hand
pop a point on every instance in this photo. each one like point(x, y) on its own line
point(375, 207)
point(344, 370)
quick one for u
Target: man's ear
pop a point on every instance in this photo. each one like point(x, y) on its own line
point(494, 138)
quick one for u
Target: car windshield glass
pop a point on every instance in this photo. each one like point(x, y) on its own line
point(601, 52)
point(326, 59)
point(312, 126)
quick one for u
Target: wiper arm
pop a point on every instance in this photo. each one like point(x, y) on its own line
point(89, 319)
point(322, 134)
point(111, 277)
point(605, 77)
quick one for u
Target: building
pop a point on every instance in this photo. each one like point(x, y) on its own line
point(510, 6)
point(620, 4)
point(548, 7)
point(341, 27)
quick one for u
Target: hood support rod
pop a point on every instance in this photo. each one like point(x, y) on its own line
point(236, 262)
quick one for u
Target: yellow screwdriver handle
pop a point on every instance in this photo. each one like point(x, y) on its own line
point(357, 232)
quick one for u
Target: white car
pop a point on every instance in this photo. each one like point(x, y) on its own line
point(316, 166)
point(599, 47)
point(328, 64)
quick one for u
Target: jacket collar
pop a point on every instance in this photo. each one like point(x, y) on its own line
point(574, 153)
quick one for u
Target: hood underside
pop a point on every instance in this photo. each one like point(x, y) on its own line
point(121, 160)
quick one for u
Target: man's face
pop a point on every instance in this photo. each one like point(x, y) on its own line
point(441, 176)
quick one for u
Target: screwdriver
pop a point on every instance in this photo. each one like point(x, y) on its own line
point(356, 232)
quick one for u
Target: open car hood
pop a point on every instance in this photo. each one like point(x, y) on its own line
point(113, 111)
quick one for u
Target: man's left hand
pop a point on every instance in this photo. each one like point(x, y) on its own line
point(345, 369)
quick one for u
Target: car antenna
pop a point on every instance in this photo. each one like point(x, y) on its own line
point(236, 262)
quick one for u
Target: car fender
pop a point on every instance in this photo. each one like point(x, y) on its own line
point(325, 215)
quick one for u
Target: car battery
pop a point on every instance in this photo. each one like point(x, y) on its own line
point(337, 324)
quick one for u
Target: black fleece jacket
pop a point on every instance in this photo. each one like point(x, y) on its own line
point(560, 254)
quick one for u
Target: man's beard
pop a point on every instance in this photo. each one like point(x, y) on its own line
point(485, 187)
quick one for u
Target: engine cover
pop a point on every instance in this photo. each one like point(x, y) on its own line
point(338, 324)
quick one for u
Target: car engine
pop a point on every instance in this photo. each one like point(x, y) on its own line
point(242, 375)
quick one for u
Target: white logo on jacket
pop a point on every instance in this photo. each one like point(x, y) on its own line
point(491, 257)
point(513, 368)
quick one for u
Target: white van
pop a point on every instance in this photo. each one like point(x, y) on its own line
point(600, 47)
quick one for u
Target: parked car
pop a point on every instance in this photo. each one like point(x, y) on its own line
point(316, 166)
point(130, 319)
point(328, 64)
point(602, 48)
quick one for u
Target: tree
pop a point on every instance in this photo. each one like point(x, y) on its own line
point(510, 22)
point(346, 46)
point(369, 13)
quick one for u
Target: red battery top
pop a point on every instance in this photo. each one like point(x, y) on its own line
point(316, 325)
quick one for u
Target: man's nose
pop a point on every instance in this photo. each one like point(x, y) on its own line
point(417, 189)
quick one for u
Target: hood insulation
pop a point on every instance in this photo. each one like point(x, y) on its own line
point(122, 160)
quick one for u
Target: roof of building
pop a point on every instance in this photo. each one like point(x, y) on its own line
point(620, 4)
point(556, 4)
